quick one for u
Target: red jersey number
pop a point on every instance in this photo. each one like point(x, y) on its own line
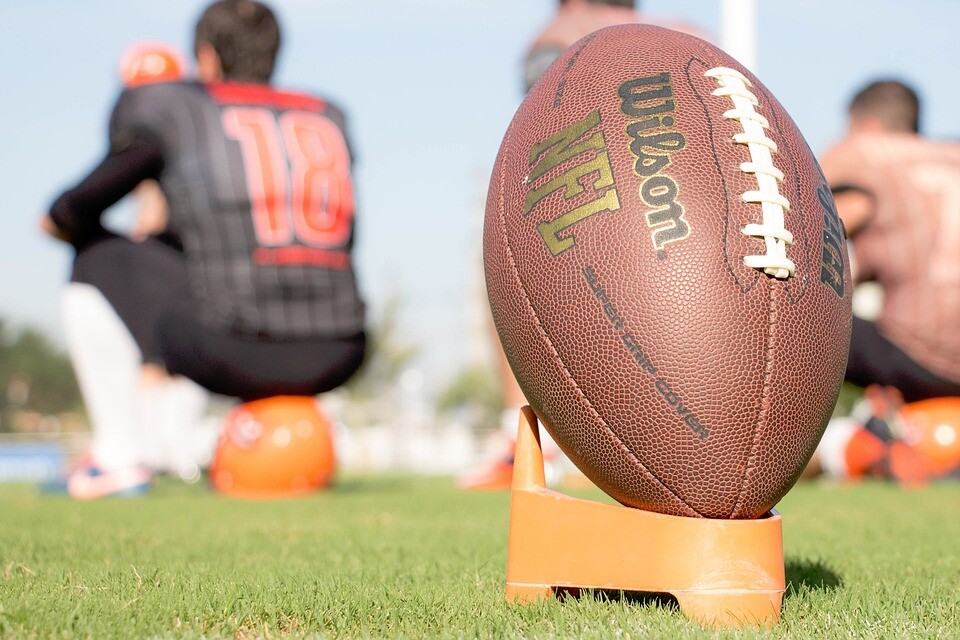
point(298, 175)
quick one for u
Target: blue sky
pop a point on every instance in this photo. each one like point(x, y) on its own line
point(430, 86)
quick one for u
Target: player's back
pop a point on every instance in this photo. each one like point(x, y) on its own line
point(260, 194)
point(911, 244)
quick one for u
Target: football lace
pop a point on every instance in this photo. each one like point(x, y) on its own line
point(736, 86)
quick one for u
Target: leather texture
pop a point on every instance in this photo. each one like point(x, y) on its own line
point(675, 377)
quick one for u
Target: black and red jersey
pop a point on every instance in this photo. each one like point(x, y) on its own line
point(259, 187)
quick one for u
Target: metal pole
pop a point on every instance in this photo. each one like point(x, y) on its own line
point(738, 35)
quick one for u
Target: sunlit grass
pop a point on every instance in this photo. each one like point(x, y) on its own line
point(415, 558)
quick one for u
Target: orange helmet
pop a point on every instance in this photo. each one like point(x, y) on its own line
point(933, 427)
point(148, 62)
point(273, 448)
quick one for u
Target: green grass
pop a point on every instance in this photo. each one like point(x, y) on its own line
point(415, 558)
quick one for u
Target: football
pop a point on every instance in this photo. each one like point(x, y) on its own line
point(668, 274)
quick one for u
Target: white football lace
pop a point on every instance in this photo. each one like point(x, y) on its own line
point(735, 85)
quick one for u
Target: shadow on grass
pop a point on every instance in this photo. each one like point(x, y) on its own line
point(801, 575)
point(662, 600)
point(812, 575)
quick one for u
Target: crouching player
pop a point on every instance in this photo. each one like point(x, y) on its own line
point(262, 300)
point(896, 191)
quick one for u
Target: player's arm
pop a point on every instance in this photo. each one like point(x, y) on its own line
point(855, 206)
point(851, 192)
point(153, 215)
point(75, 215)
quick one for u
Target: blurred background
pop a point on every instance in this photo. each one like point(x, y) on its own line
point(429, 87)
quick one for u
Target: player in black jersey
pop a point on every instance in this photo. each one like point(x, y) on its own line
point(262, 300)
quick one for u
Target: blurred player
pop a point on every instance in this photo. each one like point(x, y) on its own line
point(577, 18)
point(898, 194)
point(146, 63)
point(170, 438)
point(263, 300)
point(573, 20)
point(173, 440)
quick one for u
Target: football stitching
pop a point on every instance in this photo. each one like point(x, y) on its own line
point(556, 355)
point(745, 287)
point(796, 287)
point(776, 237)
point(776, 263)
point(762, 416)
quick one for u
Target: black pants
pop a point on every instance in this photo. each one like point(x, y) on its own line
point(876, 360)
point(146, 284)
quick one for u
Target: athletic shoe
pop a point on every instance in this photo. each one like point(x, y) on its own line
point(59, 485)
point(90, 483)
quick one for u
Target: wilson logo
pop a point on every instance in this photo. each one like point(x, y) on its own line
point(652, 141)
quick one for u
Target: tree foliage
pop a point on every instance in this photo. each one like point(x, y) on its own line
point(388, 353)
point(371, 391)
point(35, 375)
point(476, 394)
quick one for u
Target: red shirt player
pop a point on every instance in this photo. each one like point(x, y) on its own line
point(898, 195)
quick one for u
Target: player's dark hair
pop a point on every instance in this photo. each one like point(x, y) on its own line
point(246, 36)
point(892, 102)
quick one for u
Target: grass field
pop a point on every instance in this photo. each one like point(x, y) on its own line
point(404, 557)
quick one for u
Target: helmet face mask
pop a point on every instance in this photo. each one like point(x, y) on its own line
point(274, 448)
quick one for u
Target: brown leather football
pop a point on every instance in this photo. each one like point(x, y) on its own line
point(668, 274)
